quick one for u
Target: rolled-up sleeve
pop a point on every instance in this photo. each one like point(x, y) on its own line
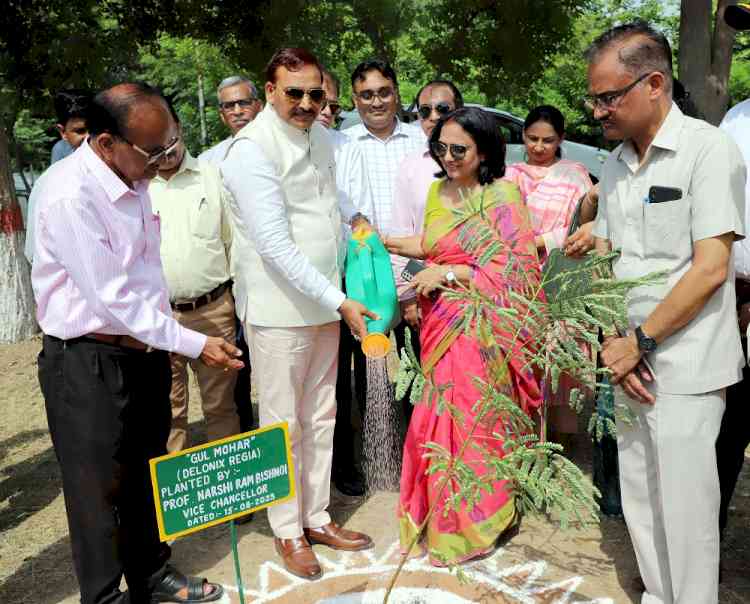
point(256, 190)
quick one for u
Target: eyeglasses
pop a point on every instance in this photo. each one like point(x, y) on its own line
point(158, 155)
point(440, 149)
point(334, 107)
point(442, 109)
point(243, 103)
point(611, 98)
point(316, 95)
point(368, 96)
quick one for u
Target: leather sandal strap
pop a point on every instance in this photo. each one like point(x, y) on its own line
point(173, 581)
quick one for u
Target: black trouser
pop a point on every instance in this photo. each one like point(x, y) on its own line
point(242, 398)
point(343, 440)
point(108, 412)
point(343, 434)
point(733, 439)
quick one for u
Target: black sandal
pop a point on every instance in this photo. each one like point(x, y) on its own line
point(173, 581)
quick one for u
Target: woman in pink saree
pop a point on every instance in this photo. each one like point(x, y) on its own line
point(470, 204)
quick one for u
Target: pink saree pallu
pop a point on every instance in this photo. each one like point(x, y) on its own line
point(452, 357)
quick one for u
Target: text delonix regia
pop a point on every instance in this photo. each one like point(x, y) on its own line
point(204, 485)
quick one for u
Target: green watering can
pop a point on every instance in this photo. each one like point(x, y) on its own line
point(369, 280)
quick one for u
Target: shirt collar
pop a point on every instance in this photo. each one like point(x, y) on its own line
point(114, 187)
point(667, 137)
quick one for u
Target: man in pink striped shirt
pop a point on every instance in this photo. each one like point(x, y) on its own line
point(104, 368)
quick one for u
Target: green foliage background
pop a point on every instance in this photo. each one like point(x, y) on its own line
point(512, 55)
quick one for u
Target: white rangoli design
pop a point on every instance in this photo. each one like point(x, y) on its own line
point(522, 583)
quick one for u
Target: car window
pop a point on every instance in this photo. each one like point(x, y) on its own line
point(512, 131)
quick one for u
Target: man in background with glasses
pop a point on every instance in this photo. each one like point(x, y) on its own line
point(104, 371)
point(415, 175)
point(355, 204)
point(196, 236)
point(672, 200)
point(280, 170)
point(385, 141)
point(238, 105)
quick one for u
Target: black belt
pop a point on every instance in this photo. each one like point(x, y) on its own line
point(196, 303)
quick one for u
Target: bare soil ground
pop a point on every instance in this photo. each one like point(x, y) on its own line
point(539, 564)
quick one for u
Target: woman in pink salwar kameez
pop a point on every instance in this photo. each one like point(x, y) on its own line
point(551, 187)
point(471, 201)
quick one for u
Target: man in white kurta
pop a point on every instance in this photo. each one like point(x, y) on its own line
point(280, 171)
point(671, 200)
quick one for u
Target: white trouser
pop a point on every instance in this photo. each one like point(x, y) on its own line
point(294, 370)
point(670, 494)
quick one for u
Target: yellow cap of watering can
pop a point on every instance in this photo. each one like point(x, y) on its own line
point(376, 345)
point(369, 280)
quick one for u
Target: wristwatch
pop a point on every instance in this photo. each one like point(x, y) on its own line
point(450, 277)
point(645, 343)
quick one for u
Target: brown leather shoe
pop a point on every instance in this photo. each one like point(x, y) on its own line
point(298, 557)
point(336, 537)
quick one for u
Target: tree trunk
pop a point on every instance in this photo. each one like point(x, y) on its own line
point(705, 56)
point(17, 307)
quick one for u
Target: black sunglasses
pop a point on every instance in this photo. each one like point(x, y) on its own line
point(441, 149)
point(243, 103)
point(442, 109)
point(316, 95)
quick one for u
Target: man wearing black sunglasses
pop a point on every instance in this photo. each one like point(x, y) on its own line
point(280, 170)
point(238, 105)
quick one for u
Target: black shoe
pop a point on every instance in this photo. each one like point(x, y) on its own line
point(352, 485)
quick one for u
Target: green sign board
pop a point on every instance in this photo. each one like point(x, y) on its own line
point(205, 485)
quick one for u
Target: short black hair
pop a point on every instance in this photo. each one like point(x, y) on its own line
point(652, 53)
point(458, 98)
point(482, 127)
point(385, 69)
point(71, 104)
point(111, 108)
point(550, 115)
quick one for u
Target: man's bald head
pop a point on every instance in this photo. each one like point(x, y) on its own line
point(116, 109)
point(130, 124)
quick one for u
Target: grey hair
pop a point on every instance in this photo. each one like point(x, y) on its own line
point(233, 81)
point(649, 52)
